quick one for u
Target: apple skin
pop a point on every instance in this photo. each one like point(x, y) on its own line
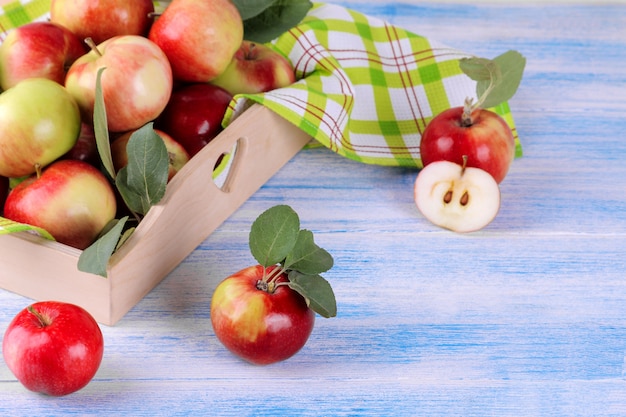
point(103, 19)
point(53, 348)
point(199, 37)
point(257, 326)
point(136, 84)
point(38, 49)
point(178, 156)
point(86, 148)
point(39, 122)
point(4, 191)
point(194, 114)
point(488, 142)
point(256, 68)
point(455, 197)
point(71, 199)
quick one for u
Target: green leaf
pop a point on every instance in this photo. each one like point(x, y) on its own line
point(101, 129)
point(250, 8)
point(274, 234)
point(316, 291)
point(308, 258)
point(95, 258)
point(143, 180)
point(478, 69)
point(275, 18)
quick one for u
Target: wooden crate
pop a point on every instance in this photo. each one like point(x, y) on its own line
point(259, 141)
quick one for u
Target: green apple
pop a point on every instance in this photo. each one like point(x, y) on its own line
point(39, 122)
point(70, 199)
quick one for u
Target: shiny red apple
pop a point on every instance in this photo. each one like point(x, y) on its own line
point(70, 199)
point(256, 68)
point(481, 135)
point(199, 37)
point(53, 348)
point(193, 115)
point(260, 326)
point(103, 19)
point(38, 49)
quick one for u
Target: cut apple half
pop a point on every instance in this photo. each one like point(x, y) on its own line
point(455, 197)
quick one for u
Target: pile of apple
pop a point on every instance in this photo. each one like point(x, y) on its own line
point(177, 71)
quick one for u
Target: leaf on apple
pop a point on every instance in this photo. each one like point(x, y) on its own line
point(316, 291)
point(95, 258)
point(143, 180)
point(273, 235)
point(307, 257)
point(498, 79)
point(264, 20)
point(100, 127)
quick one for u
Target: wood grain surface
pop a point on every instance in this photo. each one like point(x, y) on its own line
point(525, 317)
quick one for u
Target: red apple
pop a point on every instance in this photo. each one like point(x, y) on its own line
point(39, 122)
point(136, 83)
point(53, 348)
point(178, 156)
point(199, 37)
point(86, 148)
point(103, 19)
point(483, 136)
point(70, 199)
point(38, 49)
point(256, 68)
point(259, 326)
point(193, 115)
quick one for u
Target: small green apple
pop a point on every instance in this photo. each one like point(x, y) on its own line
point(39, 122)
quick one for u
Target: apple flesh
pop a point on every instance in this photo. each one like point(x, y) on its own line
point(256, 325)
point(483, 137)
point(194, 114)
point(256, 68)
point(199, 37)
point(53, 348)
point(452, 196)
point(103, 19)
point(177, 154)
point(136, 82)
point(39, 122)
point(38, 49)
point(70, 199)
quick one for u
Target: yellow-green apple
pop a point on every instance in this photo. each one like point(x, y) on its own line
point(136, 82)
point(256, 68)
point(479, 134)
point(199, 37)
point(103, 19)
point(38, 49)
point(53, 348)
point(70, 199)
point(457, 197)
point(39, 122)
point(194, 114)
point(177, 154)
point(259, 326)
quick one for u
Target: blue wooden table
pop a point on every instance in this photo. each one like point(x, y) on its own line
point(526, 317)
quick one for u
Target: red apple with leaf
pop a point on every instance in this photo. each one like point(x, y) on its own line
point(70, 199)
point(38, 49)
point(39, 122)
point(256, 68)
point(103, 19)
point(53, 348)
point(265, 313)
point(194, 114)
point(177, 155)
point(199, 37)
point(136, 83)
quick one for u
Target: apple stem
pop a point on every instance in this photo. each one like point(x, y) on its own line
point(93, 46)
point(38, 170)
point(153, 15)
point(466, 117)
point(43, 319)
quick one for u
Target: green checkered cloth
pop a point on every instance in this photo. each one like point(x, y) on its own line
point(366, 89)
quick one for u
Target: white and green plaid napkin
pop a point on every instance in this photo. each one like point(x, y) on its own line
point(367, 88)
